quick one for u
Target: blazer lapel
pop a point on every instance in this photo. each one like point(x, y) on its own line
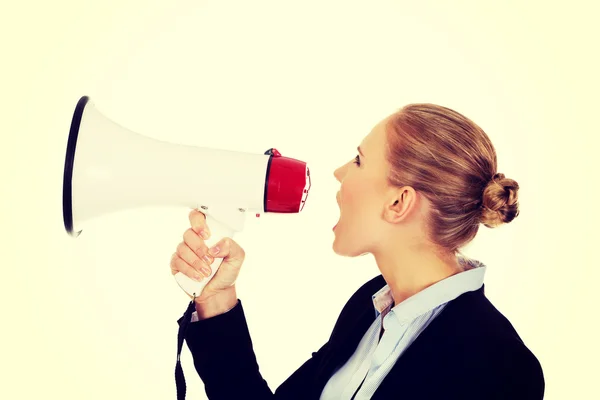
point(347, 334)
point(343, 344)
point(412, 370)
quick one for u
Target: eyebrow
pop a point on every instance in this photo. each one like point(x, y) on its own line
point(358, 148)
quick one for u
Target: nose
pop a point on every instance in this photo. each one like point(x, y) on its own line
point(338, 173)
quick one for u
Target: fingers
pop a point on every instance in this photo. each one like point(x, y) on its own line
point(200, 263)
point(184, 260)
point(229, 250)
point(198, 223)
point(196, 244)
point(179, 265)
point(191, 257)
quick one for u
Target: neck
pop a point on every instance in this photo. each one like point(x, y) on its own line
point(409, 270)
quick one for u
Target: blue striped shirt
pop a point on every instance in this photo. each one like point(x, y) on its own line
point(401, 325)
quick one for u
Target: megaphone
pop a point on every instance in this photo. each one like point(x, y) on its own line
point(109, 168)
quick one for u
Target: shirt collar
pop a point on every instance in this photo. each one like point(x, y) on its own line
point(471, 278)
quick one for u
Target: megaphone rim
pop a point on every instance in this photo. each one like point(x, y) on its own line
point(69, 162)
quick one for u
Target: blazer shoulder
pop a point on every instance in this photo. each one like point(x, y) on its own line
point(512, 368)
point(482, 317)
point(489, 340)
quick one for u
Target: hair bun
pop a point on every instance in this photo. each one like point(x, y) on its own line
point(500, 201)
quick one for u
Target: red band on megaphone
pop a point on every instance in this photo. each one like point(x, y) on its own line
point(287, 184)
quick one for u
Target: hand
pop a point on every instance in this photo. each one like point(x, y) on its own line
point(188, 258)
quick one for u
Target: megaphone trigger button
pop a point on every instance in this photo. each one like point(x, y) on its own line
point(273, 152)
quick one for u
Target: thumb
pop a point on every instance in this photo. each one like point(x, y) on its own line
point(228, 249)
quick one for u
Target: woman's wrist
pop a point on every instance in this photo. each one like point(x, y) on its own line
point(216, 304)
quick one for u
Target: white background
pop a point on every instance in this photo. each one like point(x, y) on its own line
point(95, 317)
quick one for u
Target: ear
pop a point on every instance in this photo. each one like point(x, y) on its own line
point(400, 204)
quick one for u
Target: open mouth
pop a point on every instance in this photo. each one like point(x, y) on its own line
point(337, 198)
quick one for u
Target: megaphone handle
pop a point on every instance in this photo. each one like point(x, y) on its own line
point(218, 231)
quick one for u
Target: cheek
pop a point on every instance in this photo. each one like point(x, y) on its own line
point(357, 202)
point(349, 197)
point(358, 232)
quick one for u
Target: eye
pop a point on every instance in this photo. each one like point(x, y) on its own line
point(357, 160)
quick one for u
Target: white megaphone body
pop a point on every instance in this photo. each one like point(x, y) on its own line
point(109, 168)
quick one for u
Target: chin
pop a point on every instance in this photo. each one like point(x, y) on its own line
point(347, 251)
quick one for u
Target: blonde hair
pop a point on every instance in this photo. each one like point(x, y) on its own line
point(450, 160)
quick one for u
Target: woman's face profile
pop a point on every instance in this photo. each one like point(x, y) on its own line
point(361, 197)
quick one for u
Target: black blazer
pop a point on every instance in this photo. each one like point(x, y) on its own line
point(469, 351)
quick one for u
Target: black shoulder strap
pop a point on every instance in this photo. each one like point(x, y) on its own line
point(179, 378)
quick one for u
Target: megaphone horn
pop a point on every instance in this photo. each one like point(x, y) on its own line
point(110, 168)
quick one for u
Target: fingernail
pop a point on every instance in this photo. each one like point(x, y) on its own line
point(204, 234)
point(198, 277)
point(214, 250)
point(205, 270)
point(206, 259)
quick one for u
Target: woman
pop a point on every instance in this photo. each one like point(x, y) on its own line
point(424, 179)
